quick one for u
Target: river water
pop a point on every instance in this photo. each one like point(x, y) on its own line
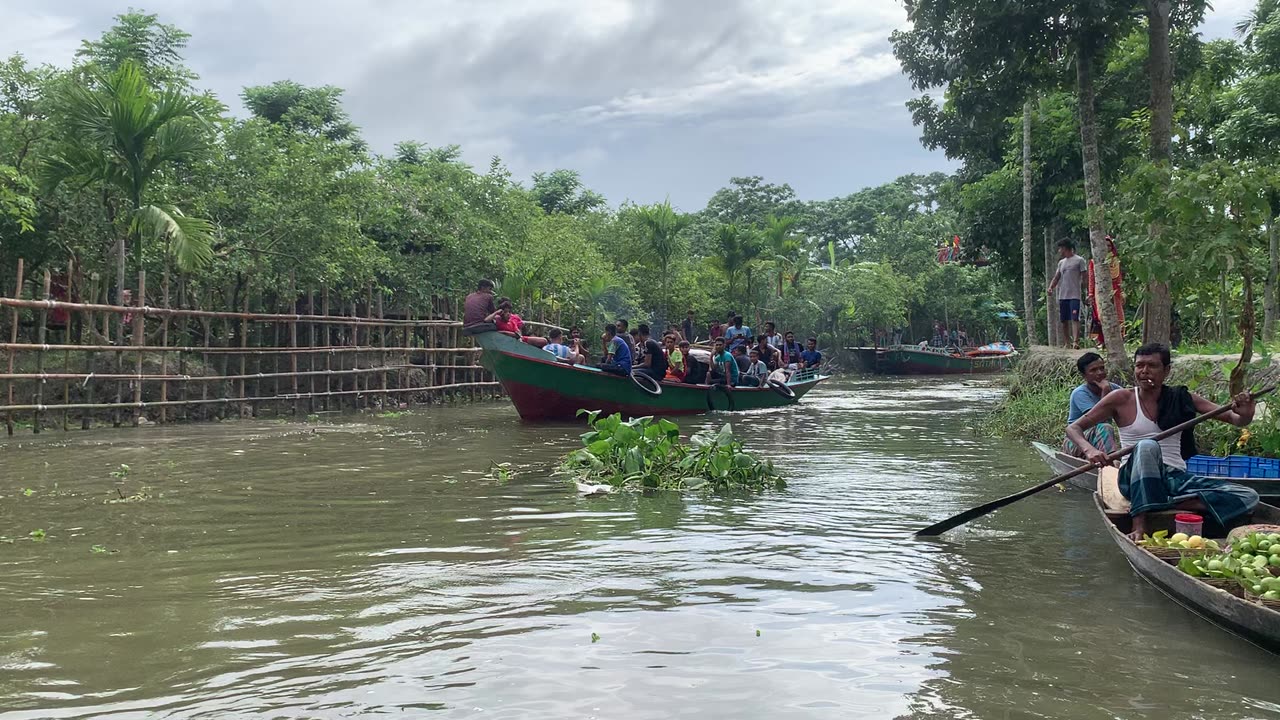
point(370, 567)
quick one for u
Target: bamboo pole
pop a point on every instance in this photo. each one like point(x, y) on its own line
point(328, 341)
point(311, 358)
point(227, 350)
point(41, 330)
point(382, 340)
point(66, 336)
point(244, 343)
point(13, 340)
point(216, 378)
point(164, 340)
point(293, 341)
point(86, 419)
point(139, 338)
point(226, 400)
point(180, 312)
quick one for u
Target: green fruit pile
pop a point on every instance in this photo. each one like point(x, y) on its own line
point(1178, 541)
point(1252, 560)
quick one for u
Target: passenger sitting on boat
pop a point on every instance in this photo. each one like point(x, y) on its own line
point(791, 352)
point(716, 330)
point(477, 308)
point(811, 357)
point(654, 360)
point(740, 356)
point(1155, 476)
point(617, 354)
point(767, 352)
point(1095, 387)
point(738, 334)
point(563, 352)
point(724, 369)
point(772, 336)
point(509, 323)
point(757, 371)
point(637, 347)
point(623, 326)
point(676, 369)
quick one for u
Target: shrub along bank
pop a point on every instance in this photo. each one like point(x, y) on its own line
point(1035, 408)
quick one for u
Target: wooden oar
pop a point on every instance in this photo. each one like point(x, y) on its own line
point(973, 513)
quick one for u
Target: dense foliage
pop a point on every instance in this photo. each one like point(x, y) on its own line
point(122, 162)
point(647, 454)
point(1139, 129)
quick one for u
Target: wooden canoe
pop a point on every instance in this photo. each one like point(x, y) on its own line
point(1255, 623)
point(1267, 488)
point(543, 389)
point(914, 360)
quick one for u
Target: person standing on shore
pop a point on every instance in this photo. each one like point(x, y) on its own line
point(1072, 269)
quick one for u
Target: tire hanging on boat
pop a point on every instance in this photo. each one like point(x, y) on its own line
point(711, 396)
point(782, 388)
point(646, 384)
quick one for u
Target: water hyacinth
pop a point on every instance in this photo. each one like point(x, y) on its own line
point(647, 454)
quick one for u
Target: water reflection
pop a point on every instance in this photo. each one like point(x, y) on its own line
point(371, 568)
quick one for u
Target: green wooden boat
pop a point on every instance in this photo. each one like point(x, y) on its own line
point(915, 360)
point(543, 389)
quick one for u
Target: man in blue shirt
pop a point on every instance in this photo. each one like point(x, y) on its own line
point(737, 334)
point(811, 357)
point(723, 366)
point(617, 358)
point(1103, 436)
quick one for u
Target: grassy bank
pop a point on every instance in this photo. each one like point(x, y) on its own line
point(1035, 407)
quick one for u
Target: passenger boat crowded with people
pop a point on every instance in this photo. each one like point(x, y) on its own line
point(543, 388)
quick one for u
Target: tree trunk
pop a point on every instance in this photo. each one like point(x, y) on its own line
point(1028, 294)
point(1117, 358)
point(1269, 290)
point(1246, 332)
point(1050, 320)
point(1156, 326)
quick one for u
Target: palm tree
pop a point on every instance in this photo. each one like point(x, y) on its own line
point(121, 134)
point(783, 245)
point(738, 248)
point(594, 295)
point(661, 226)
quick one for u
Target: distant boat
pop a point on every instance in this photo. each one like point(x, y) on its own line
point(543, 388)
point(928, 360)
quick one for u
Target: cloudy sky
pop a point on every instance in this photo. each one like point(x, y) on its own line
point(646, 98)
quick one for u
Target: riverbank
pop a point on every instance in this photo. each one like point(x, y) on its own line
point(1039, 386)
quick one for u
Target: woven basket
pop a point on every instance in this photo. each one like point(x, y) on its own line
point(1259, 600)
point(1173, 555)
point(1230, 585)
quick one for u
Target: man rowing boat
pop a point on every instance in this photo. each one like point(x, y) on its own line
point(1154, 477)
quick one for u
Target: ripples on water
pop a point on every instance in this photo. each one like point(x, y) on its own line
point(372, 568)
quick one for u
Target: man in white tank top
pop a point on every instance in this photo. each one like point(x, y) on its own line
point(1154, 477)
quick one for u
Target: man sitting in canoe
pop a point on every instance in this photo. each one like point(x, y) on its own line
point(654, 360)
point(1089, 393)
point(477, 309)
point(724, 369)
point(1155, 476)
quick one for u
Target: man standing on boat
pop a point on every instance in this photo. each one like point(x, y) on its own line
point(1072, 269)
point(1154, 477)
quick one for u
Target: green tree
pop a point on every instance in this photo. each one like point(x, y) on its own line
point(315, 111)
point(141, 39)
point(782, 243)
point(562, 191)
point(737, 248)
point(121, 134)
point(661, 227)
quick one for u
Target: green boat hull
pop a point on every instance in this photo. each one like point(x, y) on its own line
point(910, 360)
point(543, 389)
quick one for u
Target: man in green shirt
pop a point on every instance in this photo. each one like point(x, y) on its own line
point(723, 367)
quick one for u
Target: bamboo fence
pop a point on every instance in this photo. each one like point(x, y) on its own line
point(228, 363)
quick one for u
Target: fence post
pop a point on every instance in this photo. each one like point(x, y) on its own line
point(13, 338)
point(41, 336)
point(139, 339)
point(164, 340)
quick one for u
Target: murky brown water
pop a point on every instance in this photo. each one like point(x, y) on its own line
point(371, 569)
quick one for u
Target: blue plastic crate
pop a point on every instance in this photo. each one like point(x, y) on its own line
point(1239, 466)
point(1235, 466)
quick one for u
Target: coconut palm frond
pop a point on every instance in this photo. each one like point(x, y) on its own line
point(190, 239)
